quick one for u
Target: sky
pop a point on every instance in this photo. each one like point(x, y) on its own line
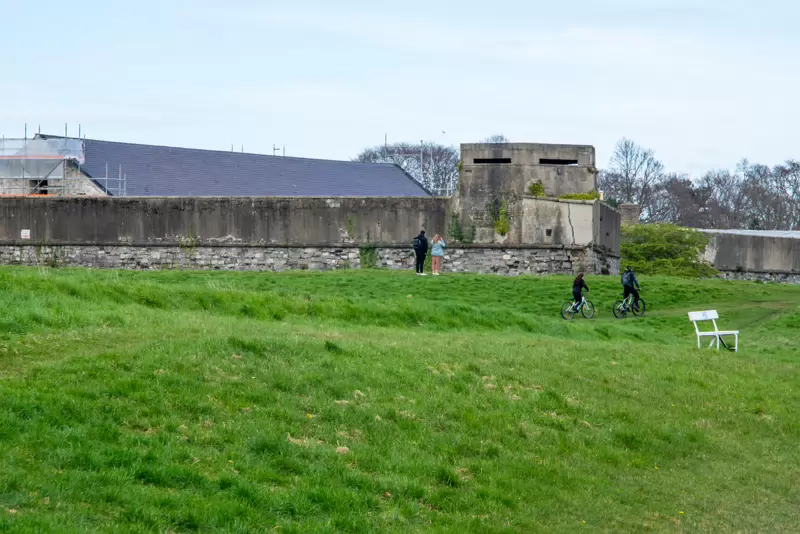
point(703, 84)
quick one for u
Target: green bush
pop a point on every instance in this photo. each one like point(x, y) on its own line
point(503, 221)
point(368, 254)
point(592, 195)
point(536, 189)
point(665, 249)
point(457, 233)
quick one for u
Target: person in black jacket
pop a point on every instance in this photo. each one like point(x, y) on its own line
point(421, 250)
point(577, 291)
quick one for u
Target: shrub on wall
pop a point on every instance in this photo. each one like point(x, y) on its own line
point(591, 195)
point(502, 223)
point(457, 233)
point(665, 249)
point(536, 189)
point(368, 254)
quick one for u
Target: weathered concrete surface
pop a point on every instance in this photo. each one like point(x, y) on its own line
point(557, 222)
point(630, 213)
point(753, 253)
point(496, 173)
point(606, 228)
point(229, 220)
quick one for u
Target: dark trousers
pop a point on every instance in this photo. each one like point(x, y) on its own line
point(421, 261)
point(578, 297)
point(631, 291)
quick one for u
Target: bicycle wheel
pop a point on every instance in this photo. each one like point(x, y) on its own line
point(619, 309)
point(640, 309)
point(567, 312)
point(588, 309)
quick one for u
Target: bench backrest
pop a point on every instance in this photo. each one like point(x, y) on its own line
point(708, 315)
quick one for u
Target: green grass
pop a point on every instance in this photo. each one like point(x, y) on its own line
point(367, 401)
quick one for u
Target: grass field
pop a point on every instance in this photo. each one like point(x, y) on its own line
point(365, 401)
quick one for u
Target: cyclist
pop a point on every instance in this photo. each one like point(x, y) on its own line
point(630, 285)
point(577, 292)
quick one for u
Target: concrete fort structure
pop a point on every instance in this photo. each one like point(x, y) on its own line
point(770, 256)
point(492, 224)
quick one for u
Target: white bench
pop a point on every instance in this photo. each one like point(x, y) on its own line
point(712, 315)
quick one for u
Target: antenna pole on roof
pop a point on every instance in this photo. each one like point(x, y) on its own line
point(242, 149)
point(79, 131)
point(65, 130)
point(26, 131)
point(40, 129)
point(231, 147)
point(284, 150)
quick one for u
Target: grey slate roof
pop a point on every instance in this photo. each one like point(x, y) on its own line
point(169, 171)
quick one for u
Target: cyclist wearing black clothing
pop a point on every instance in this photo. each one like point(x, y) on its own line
point(631, 284)
point(577, 289)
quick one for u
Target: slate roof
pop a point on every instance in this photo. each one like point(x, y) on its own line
point(169, 171)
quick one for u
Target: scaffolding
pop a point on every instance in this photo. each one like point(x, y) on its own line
point(51, 166)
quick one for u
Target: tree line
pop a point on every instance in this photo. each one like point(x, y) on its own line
point(752, 196)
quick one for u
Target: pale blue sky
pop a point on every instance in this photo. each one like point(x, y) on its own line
point(702, 86)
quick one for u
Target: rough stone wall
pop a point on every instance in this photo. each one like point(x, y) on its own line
point(505, 261)
point(780, 278)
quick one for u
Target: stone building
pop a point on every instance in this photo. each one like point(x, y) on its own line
point(320, 215)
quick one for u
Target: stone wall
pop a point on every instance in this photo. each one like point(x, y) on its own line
point(476, 259)
point(781, 278)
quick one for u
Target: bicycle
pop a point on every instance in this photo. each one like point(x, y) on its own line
point(622, 307)
point(569, 309)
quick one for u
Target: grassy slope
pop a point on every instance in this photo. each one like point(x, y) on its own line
point(216, 401)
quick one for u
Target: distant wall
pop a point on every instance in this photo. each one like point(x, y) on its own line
point(630, 213)
point(754, 254)
point(231, 220)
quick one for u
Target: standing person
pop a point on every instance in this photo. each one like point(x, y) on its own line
point(437, 254)
point(421, 250)
point(630, 284)
point(577, 291)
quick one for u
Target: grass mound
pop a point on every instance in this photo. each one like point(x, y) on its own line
point(380, 401)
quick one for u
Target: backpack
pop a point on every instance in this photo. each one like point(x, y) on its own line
point(417, 243)
point(627, 278)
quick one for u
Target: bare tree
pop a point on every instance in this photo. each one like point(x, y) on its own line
point(433, 166)
point(676, 199)
point(633, 176)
